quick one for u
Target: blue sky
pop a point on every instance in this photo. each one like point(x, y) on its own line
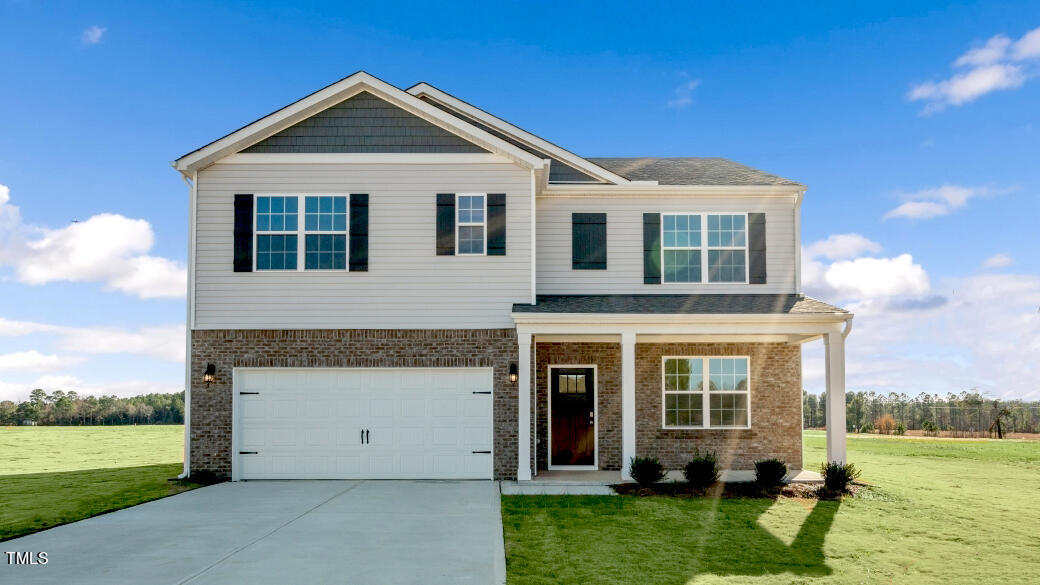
point(931, 109)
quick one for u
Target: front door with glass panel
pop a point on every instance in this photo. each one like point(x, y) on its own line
point(572, 413)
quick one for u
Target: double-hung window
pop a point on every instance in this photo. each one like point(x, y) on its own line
point(471, 223)
point(718, 386)
point(277, 228)
point(691, 242)
point(325, 228)
point(282, 239)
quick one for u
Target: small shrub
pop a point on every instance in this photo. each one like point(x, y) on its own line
point(770, 473)
point(646, 470)
point(929, 428)
point(837, 477)
point(885, 424)
point(900, 429)
point(866, 428)
point(702, 471)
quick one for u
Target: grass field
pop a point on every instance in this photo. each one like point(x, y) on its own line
point(942, 511)
point(54, 475)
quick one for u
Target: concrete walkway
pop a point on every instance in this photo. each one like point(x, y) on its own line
point(298, 532)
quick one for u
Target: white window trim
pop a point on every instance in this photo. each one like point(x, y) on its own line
point(704, 248)
point(300, 233)
point(705, 392)
point(459, 224)
point(595, 417)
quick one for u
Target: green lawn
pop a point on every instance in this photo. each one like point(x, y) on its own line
point(943, 511)
point(54, 475)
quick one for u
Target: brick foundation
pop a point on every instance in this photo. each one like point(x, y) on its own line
point(342, 348)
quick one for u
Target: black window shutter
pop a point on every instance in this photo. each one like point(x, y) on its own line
point(756, 248)
point(445, 224)
point(651, 248)
point(243, 233)
point(496, 224)
point(589, 241)
point(358, 232)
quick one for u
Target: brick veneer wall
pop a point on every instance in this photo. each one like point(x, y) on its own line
point(776, 407)
point(607, 359)
point(344, 348)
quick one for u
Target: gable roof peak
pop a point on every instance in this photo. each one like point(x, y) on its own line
point(333, 94)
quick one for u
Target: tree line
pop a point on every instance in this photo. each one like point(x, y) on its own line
point(966, 412)
point(69, 408)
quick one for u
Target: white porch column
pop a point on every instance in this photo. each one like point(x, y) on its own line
point(523, 411)
point(628, 402)
point(835, 352)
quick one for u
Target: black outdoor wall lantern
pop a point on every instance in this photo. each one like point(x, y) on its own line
point(210, 374)
point(514, 373)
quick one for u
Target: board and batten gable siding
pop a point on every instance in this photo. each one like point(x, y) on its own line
point(407, 285)
point(624, 273)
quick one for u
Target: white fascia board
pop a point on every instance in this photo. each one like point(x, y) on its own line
point(415, 158)
point(557, 190)
point(730, 324)
point(425, 89)
point(333, 94)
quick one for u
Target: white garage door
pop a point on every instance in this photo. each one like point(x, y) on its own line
point(318, 423)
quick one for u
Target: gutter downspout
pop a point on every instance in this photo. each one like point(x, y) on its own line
point(190, 318)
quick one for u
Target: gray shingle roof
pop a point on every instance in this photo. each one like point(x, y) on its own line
point(711, 304)
point(689, 171)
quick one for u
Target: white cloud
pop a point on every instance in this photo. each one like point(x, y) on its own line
point(106, 248)
point(929, 203)
point(1000, 64)
point(997, 261)
point(1027, 47)
point(980, 330)
point(20, 391)
point(841, 247)
point(9, 328)
point(866, 278)
point(682, 96)
point(165, 342)
point(34, 361)
point(994, 50)
point(92, 35)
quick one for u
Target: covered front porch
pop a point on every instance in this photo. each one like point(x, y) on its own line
point(608, 378)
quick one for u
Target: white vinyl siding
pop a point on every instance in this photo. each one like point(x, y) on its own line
point(407, 285)
point(624, 273)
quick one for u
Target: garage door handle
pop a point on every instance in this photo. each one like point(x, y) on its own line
point(367, 439)
point(248, 452)
point(362, 436)
point(482, 393)
point(483, 452)
point(243, 393)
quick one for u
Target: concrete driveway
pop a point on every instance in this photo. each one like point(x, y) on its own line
point(298, 532)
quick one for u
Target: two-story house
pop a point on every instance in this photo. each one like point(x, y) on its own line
point(389, 283)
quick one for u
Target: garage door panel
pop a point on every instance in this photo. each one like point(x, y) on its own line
point(308, 423)
point(281, 409)
point(413, 407)
point(411, 436)
point(347, 407)
point(381, 408)
point(445, 407)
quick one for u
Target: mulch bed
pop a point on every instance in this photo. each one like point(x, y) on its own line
point(728, 490)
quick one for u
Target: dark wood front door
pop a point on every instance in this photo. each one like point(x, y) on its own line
point(572, 396)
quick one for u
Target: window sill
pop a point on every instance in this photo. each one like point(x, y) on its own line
point(665, 428)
